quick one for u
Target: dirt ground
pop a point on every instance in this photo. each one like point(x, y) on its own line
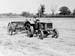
point(21, 45)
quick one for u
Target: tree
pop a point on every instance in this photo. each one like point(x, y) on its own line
point(41, 11)
point(25, 14)
point(53, 9)
point(64, 11)
point(73, 12)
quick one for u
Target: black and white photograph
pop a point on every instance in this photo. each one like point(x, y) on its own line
point(37, 27)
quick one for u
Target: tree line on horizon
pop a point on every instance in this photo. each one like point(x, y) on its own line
point(64, 11)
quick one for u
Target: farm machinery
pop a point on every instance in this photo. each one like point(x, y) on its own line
point(34, 28)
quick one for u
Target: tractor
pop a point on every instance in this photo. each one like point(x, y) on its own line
point(33, 28)
point(40, 28)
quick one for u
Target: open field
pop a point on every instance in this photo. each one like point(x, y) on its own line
point(20, 45)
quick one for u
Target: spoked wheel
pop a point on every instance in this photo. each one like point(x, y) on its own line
point(11, 29)
point(55, 34)
point(12, 32)
point(27, 25)
point(30, 31)
point(42, 34)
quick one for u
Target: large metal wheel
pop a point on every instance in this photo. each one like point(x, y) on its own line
point(30, 31)
point(11, 29)
point(42, 34)
point(55, 34)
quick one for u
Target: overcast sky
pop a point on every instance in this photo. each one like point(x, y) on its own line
point(17, 6)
